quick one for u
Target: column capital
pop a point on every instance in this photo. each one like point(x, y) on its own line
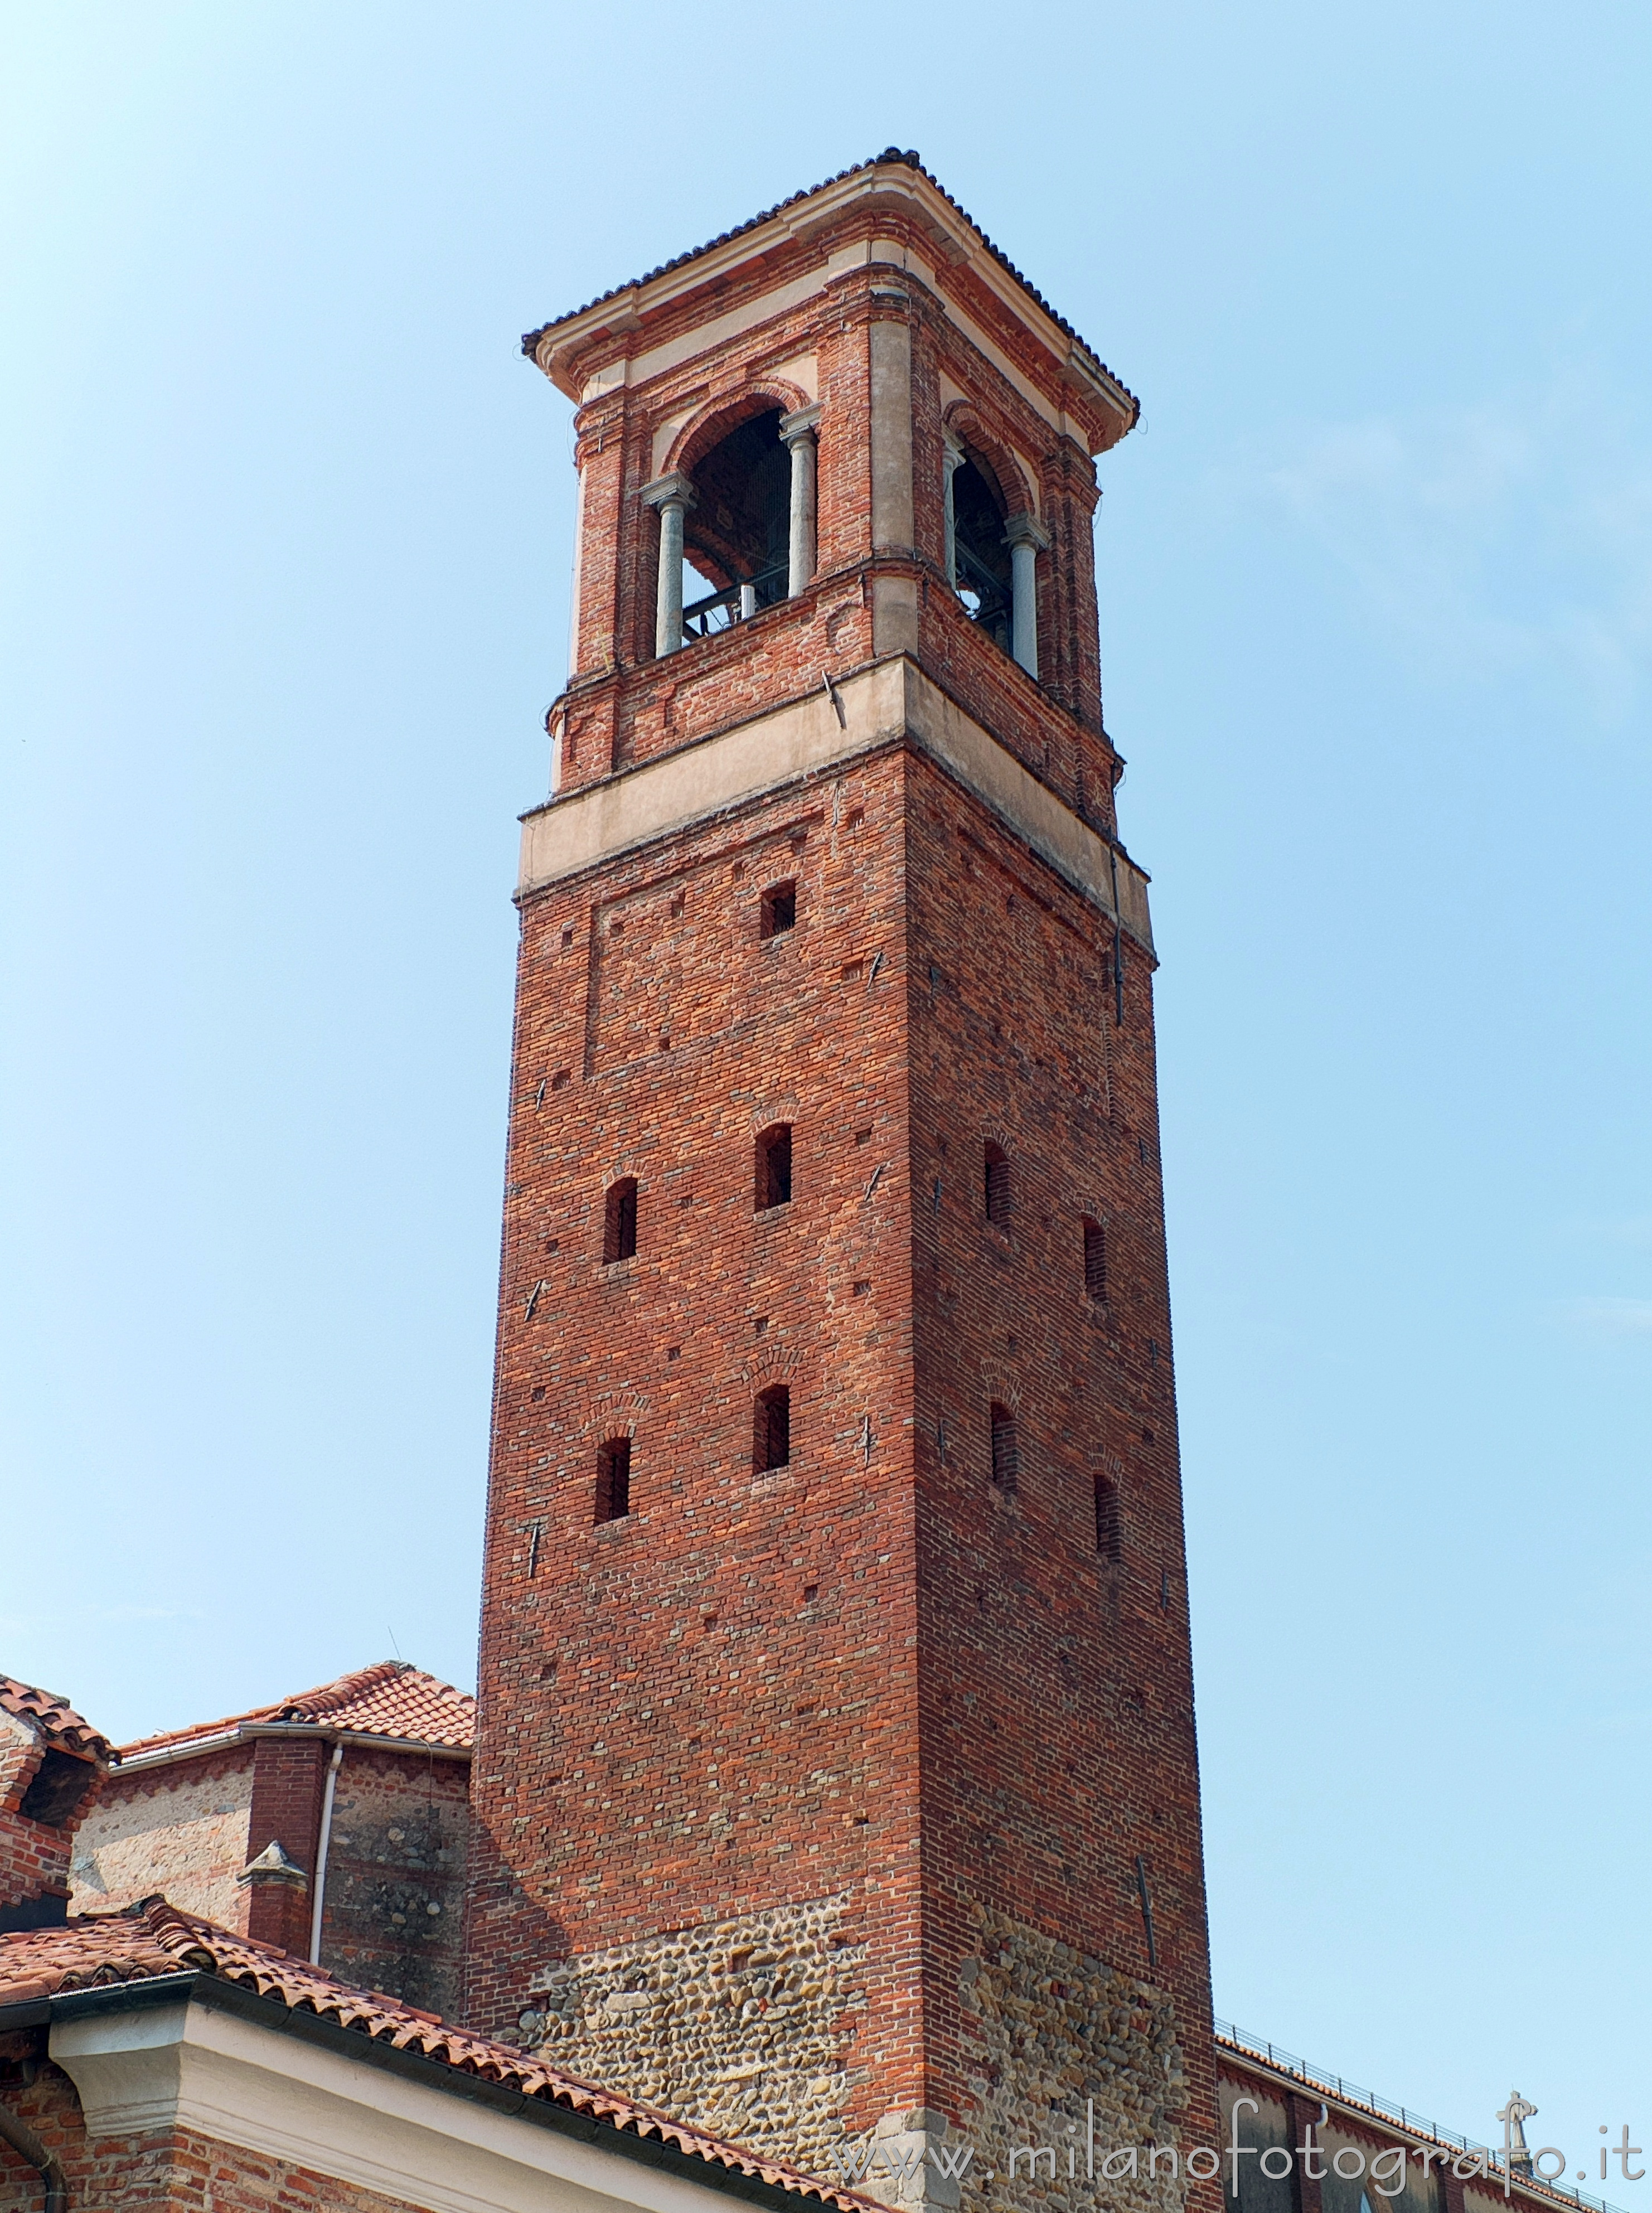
point(801, 422)
point(672, 490)
point(952, 449)
point(1024, 529)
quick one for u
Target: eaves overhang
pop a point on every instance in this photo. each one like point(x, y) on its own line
point(171, 1755)
point(893, 178)
point(160, 1993)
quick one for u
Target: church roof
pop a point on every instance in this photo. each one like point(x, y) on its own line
point(53, 1718)
point(891, 157)
point(390, 1699)
point(153, 1939)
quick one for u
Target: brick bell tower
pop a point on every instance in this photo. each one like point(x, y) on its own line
point(836, 1771)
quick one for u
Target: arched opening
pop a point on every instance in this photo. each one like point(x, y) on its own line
point(984, 572)
point(1109, 1528)
point(619, 1220)
point(997, 1182)
point(773, 1167)
point(613, 1479)
point(60, 1783)
point(734, 536)
point(1005, 1453)
point(771, 1428)
point(1095, 1259)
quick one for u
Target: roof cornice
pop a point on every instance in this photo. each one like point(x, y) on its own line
point(140, 1763)
point(895, 180)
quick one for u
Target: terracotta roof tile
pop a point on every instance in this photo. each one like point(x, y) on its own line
point(55, 1718)
point(390, 1699)
point(890, 156)
point(153, 1938)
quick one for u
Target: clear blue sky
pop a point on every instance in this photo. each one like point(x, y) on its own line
point(285, 576)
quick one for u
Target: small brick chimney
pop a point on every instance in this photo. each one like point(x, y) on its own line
point(52, 1768)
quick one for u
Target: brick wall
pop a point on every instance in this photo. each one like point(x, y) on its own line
point(34, 1853)
point(178, 2170)
point(767, 1689)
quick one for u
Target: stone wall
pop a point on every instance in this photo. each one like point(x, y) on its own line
point(735, 2025)
point(182, 1831)
point(1060, 2049)
point(393, 1916)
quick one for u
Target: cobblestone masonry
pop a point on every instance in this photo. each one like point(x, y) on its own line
point(734, 2026)
point(1053, 2038)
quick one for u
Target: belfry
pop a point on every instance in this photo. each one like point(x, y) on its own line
point(836, 1774)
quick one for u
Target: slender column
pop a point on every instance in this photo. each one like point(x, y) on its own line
point(1028, 539)
point(952, 457)
point(798, 430)
point(673, 496)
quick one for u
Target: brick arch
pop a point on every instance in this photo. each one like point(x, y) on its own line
point(715, 421)
point(767, 1112)
point(614, 1414)
point(774, 1364)
point(996, 1386)
point(987, 450)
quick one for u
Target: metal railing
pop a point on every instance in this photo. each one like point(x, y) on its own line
point(721, 610)
point(1322, 2079)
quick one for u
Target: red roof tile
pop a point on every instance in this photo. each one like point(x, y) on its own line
point(154, 1938)
point(54, 1717)
point(390, 1699)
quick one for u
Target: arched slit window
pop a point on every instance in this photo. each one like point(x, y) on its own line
point(613, 1479)
point(734, 536)
point(771, 1428)
point(619, 1220)
point(773, 1167)
point(1109, 1527)
point(1095, 1259)
point(984, 572)
point(997, 1185)
point(1005, 1450)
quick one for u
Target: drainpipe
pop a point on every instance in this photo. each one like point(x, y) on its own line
point(333, 1765)
point(24, 2142)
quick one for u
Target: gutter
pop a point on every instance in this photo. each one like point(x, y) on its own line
point(154, 1992)
point(138, 1763)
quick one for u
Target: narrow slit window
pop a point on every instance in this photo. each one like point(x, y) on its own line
point(771, 1428)
point(1109, 1527)
point(619, 1220)
point(774, 1167)
point(1095, 1259)
point(997, 1185)
point(1005, 1456)
point(613, 1479)
point(778, 911)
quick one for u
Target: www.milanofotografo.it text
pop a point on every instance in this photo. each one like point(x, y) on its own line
point(1082, 2159)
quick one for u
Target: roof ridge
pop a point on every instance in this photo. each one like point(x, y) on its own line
point(326, 1697)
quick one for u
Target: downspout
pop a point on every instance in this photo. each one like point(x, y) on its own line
point(24, 2142)
point(333, 1765)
